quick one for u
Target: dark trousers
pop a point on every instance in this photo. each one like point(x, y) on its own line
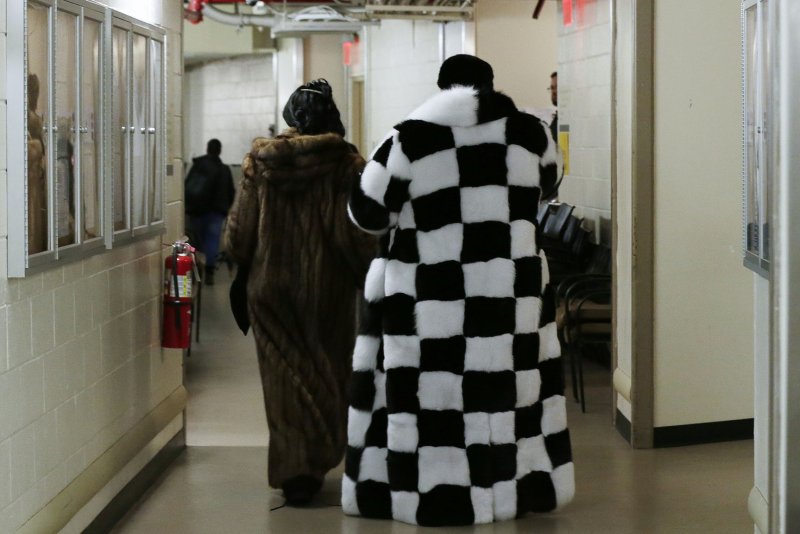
point(208, 228)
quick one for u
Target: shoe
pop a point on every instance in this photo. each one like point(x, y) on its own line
point(301, 489)
point(209, 279)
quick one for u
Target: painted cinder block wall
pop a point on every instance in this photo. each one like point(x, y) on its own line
point(80, 356)
point(230, 99)
point(403, 59)
point(584, 105)
point(402, 67)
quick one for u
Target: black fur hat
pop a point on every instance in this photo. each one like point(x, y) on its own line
point(463, 69)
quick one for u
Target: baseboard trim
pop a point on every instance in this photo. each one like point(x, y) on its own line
point(137, 487)
point(59, 511)
point(622, 383)
point(697, 434)
point(623, 426)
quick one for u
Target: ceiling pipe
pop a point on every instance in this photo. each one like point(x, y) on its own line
point(238, 19)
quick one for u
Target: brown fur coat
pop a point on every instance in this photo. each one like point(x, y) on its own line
point(289, 222)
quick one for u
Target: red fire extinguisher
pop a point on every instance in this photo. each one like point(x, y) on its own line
point(178, 277)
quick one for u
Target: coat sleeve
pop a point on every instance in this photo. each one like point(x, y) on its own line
point(241, 230)
point(379, 194)
point(358, 248)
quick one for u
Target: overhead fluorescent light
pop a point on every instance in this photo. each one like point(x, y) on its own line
point(428, 12)
point(320, 14)
point(293, 29)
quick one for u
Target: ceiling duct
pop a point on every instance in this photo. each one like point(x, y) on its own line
point(289, 18)
point(437, 10)
point(317, 19)
point(285, 19)
point(237, 19)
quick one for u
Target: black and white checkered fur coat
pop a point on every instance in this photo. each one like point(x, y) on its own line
point(457, 411)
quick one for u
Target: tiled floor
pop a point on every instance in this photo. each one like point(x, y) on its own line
point(219, 484)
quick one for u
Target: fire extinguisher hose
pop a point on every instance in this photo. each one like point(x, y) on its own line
point(175, 282)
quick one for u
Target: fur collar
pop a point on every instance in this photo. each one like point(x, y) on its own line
point(464, 107)
point(292, 161)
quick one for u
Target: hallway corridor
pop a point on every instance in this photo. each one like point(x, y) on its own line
point(218, 485)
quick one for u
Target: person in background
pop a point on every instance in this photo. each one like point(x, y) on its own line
point(209, 193)
point(551, 194)
point(306, 262)
point(458, 414)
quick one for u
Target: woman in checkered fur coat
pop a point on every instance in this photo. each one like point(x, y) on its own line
point(307, 261)
point(457, 414)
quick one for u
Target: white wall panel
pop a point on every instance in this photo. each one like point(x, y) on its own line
point(703, 337)
point(522, 51)
point(623, 260)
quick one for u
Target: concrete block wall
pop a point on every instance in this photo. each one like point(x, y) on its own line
point(82, 365)
point(80, 355)
point(584, 102)
point(232, 100)
point(403, 66)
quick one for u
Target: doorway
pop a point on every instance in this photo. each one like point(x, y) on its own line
point(357, 136)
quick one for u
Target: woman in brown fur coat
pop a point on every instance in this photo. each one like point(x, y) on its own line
point(289, 223)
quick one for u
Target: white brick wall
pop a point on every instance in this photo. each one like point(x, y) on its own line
point(403, 66)
point(232, 100)
point(584, 98)
point(84, 364)
point(80, 356)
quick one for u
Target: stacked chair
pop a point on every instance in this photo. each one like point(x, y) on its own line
point(580, 272)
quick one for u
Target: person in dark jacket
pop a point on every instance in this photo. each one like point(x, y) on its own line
point(207, 204)
point(554, 100)
point(457, 412)
point(289, 225)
